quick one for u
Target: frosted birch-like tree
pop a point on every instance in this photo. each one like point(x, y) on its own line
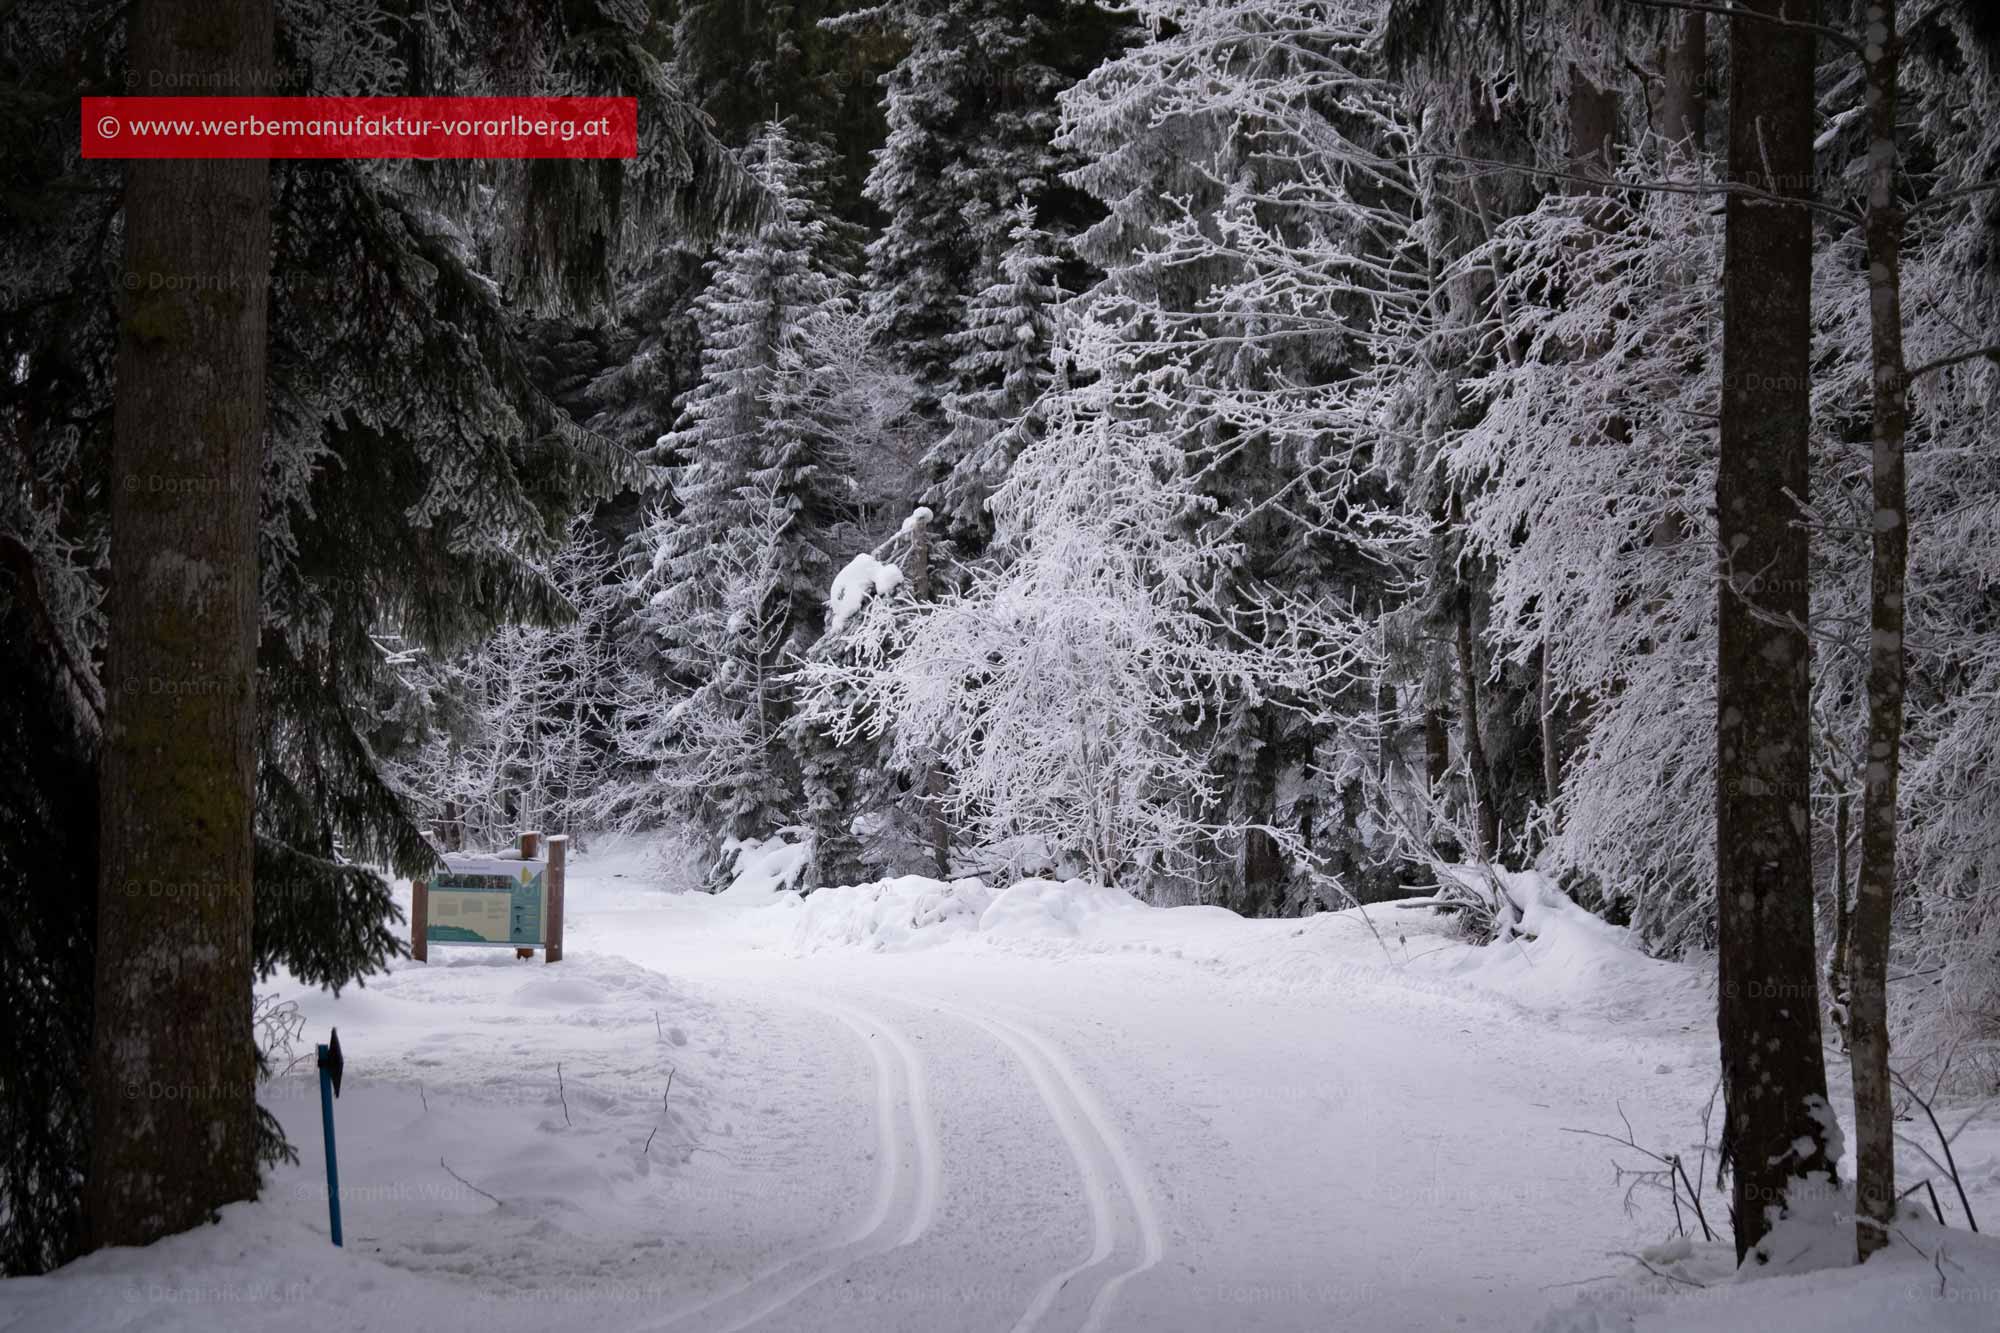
point(518, 722)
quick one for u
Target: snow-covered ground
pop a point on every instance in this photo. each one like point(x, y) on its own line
point(920, 1106)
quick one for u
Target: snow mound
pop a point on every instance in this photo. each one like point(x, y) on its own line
point(908, 912)
point(1561, 956)
point(763, 867)
point(1046, 909)
point(864, 574)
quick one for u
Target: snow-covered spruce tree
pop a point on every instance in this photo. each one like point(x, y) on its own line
point(1002, 370)
point(863, 819)
point(1053, 689)
point(971, 112)
point(412, 469)
point(737, 553)
point(749, 62)
point(1255, 233)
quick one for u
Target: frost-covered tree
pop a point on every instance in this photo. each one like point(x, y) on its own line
point(517, 724)
point(1257, 226)
point(1053, 689)
point(971, 113)
point(737, 553)
point(1002, 369)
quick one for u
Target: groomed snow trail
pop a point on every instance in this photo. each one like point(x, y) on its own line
point(1126, 1237)
point(908, 1176)
point(1127, 1138)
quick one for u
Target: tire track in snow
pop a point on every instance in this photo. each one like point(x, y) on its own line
point(1126, 1235)
point(909, 1175)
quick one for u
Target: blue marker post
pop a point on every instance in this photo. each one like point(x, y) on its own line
point(330, 1065)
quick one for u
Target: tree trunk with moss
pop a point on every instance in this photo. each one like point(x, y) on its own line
point(174, 1063)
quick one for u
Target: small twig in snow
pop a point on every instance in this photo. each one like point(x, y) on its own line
point(1684, 1281)
point(1950, 1163)
point(560, 1093)
point(468, 1184)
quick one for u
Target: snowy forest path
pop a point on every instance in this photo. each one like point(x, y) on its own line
point(908, 1180)
point(1131, 1140)
point(742, 1113)
point(1126, 1235)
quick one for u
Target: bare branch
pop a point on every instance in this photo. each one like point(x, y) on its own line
point(1848, 40)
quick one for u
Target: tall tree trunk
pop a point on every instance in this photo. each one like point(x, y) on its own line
point(1486, 819)
point(930, 786)
point(174, 1071)
point(1843, 917)
point(1545, 704)
point(1683, 107)
point(1875, 891)
point(1385, 746)
point(1774, 1072)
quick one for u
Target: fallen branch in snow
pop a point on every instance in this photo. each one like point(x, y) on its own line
point(648, 1149)
point(468, 1184)
point(1414, 820)
point(560, 1093)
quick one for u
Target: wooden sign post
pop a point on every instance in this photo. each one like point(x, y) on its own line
point(558, 868)
point(420, 920)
